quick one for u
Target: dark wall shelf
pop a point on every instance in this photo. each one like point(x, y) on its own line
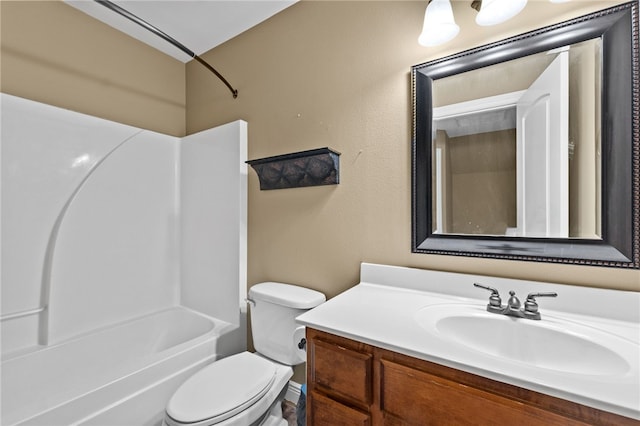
point(315, 167)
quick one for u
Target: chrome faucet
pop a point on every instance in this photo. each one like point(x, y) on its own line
point(513, 307)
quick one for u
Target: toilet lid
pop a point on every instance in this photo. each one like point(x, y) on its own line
point(222, 389)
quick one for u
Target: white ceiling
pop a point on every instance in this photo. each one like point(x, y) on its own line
point(200, 25)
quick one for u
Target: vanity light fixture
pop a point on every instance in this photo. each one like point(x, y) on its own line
point(493, 12)
point(440, 27)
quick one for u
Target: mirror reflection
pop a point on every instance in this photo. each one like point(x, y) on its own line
point(516, 147)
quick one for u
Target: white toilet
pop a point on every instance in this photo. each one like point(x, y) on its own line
point(248, 388)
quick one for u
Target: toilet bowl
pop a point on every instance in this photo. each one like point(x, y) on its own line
point(238, 390)
point(247, 389)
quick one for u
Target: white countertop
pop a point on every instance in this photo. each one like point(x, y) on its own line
point(381, 311)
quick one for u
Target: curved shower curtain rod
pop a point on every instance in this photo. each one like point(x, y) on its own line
point(166, 37)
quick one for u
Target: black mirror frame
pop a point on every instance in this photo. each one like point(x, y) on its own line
point(620, 244)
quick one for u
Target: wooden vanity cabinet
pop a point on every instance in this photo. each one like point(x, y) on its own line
point(340, 383)
point(351, 383)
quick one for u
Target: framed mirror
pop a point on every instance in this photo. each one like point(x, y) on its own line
point(528, 148)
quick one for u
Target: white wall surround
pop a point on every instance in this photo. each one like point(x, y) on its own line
point(46, 154)
point(116, 254)
point(101, 200)
point(213, 188)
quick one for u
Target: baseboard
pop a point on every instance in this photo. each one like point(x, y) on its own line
point(293, 392)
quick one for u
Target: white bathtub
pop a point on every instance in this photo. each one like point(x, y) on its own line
point(120, 375)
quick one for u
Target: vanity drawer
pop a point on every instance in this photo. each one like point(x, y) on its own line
point(411, 396)
point(343, 373)
point(323, 411)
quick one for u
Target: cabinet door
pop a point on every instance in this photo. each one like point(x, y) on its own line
point(414, 397)
point(324, 411)
point(342, 373)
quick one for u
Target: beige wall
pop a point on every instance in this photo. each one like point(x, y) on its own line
point(584, 132)
point(337, 74)
point(55, 54)
point(321, 73)
point(483, 183)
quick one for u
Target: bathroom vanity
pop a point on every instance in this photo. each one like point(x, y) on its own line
point(416, 347)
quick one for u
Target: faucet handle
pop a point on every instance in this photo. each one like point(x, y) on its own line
point(531, 306)
point(494, 300)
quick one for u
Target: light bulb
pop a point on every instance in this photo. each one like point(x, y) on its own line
point(493, 12)
point(439, 26)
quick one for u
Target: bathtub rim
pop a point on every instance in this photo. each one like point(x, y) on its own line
point(218, 326)
point(205, 345)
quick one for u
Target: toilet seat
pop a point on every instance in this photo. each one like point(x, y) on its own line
point(222, 389)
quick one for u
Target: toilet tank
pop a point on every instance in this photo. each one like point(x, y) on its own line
point(274, 309)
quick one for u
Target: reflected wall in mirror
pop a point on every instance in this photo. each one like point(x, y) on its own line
point(528, 148)
point(490, 177)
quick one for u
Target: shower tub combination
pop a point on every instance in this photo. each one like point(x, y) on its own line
point(118, 375)
point(117, 284)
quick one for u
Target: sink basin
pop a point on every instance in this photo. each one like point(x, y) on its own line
point(550, 343)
